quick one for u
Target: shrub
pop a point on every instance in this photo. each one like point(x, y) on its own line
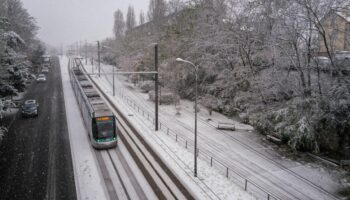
point(165, 97)
point(146, 86)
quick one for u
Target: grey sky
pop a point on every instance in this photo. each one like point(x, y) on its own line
point(67, 21)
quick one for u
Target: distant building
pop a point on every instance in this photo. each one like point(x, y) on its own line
point(337, 27)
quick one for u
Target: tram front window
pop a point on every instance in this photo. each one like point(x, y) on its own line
point(105, 127)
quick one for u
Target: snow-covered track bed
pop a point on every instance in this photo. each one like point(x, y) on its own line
point(120, 182)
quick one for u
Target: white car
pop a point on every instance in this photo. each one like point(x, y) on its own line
point(45, 70)
point(41, 78)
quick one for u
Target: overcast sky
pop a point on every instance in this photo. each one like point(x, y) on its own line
point(67, 21)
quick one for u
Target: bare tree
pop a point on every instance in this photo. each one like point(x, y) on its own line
point(156, 10)
point(175, 6)
point(119, 24)
point(142, 18)
point(130, 19)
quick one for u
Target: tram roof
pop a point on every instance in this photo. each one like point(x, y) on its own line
point(97, 103)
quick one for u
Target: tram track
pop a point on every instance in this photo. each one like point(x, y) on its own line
point(280, 166)
point(163, 181)
point(253, 150)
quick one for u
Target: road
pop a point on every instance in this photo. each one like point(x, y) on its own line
point(35, 156)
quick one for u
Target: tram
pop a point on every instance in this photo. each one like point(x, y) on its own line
point(98, 118)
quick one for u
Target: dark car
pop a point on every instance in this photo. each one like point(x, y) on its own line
point(30, 108)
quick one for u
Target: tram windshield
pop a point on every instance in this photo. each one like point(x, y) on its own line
point(105, 127)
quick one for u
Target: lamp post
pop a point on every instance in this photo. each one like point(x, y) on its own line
point(85, 52)
point(195, 112)
point(98, 57)
point(156, 85)
point(113, 83)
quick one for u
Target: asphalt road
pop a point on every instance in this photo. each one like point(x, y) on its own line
point(35, 156)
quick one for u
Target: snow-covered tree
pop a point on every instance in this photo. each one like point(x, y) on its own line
point(156, 10)
point(130, 19)
point(175, 6)
point(17, 35)
point(141, 18)
point(119, 24)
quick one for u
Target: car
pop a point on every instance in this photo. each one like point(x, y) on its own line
point(342, 60)
point(322, 62)
point(45, 70)
point(41, 78)
point(30, 108)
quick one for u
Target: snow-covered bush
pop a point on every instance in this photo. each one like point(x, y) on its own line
point(168, 98)
point(331, 119)
point(290, 124)
point(146, 86)
point(310, 124)
point(165, 97)
point(303, 136)
point(7, 89)
point(3, 131)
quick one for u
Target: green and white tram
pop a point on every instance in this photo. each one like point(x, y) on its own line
point(98, 118)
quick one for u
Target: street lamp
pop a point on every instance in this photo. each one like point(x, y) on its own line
point(99, 58)
point(195, 112)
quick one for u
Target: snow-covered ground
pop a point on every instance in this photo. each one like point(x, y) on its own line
point(241, 151)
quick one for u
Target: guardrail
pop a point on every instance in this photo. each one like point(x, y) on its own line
point(247, 184)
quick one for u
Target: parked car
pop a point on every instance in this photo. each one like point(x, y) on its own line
point(342, 60)
point(45, 70)
point(41, 78)
point(322, 62)
point(30, 108)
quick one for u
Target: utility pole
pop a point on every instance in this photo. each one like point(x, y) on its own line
point(195, 125)
point(156, 85)
point(113, 82)
point(76, 49)
point(99, 61)
point(79, 48)
point(85, 52)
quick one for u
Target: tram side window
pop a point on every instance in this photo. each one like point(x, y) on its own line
point(105, 127)
point(94, 128)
